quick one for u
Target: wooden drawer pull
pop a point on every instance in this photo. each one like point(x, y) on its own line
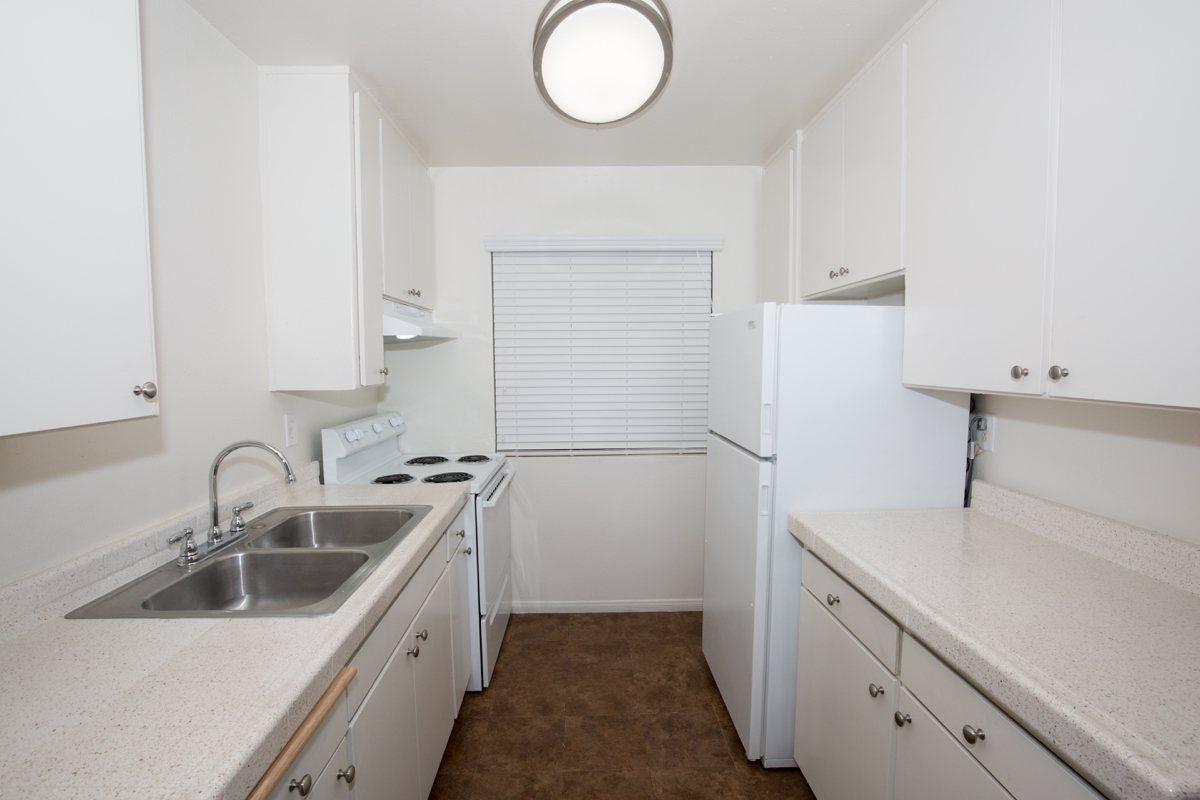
point(287, 756)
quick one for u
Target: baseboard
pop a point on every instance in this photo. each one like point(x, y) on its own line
point(604, 606)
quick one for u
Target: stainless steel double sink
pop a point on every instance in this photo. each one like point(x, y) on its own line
point(291, 562)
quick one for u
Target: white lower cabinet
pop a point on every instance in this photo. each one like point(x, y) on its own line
point(385, 737)
point(383, 734)
point(931, 765)
point(433, 681)
point(338, 778)
point(461, 620)
point(844, 704)
point(864, 733)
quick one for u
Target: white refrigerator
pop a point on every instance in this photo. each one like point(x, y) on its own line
point(806, 411)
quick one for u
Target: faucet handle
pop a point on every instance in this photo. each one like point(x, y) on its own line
point(188, 552)
point(237, 524)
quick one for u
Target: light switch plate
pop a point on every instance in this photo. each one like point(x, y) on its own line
point(290, 430)
point(983, 431)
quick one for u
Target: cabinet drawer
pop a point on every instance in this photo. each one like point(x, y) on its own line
point(378, 647)
point(930, 765)
point(872, 627)
point(319, 752)
point(1026, 769)
point(456, 534)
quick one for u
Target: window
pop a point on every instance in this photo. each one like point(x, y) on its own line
point(600, 351)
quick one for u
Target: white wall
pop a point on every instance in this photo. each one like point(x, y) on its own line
point(65, 492)
point(1137, 465)
point(446, 390)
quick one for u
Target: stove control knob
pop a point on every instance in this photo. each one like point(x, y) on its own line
point(396, 421)
point(350, 437)
point(377, 427)
point(358, 435)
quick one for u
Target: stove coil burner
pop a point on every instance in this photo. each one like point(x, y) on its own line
point(473, 459)
point(423, 461)
point(399, 477)
point(449, 477)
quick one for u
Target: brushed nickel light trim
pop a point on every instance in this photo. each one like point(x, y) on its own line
point(655, 11)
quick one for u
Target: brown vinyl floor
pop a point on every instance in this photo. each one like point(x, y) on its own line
point(603, 706)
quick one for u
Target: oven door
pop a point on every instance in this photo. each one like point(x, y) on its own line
point(495, 540)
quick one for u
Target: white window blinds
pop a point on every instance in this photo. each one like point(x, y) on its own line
point(601, 351)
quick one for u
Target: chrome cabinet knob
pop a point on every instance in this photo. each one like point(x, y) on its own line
point(467, 552)
point(414, 651)
point(843, 271)
point(461, 534)
point(972, 734)
point(148, 390)
point(347, 775)
point(875, 691)
point(301, 787)
point(424, 635)
point(384, 371)
point(832, 599)
point(902, 719)
point(1057, 373)
point(1017, 372)
point(832, 274)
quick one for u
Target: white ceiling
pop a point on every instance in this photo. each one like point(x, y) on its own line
point(456, 74)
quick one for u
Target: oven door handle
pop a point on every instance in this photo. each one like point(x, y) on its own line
point(500, 490)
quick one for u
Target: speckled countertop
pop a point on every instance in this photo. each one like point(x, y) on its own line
point(181, 708)
point(1084, 630)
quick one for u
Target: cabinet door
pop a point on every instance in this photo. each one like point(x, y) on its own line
point(367, 127)
point(777, 227)
point(874, 149)
point(434, 678)
point(979, 76)
point(75, 304)
point(332, 785)
point(461, 620)
point(1126, 251)
point(822, 204)
point(383, 734)
point(844, 727)
point(398, 159)
point(930, 765)
point(424, 273)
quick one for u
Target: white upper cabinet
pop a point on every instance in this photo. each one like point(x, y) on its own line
point(408, 272)
point(979, 81)
point(777, 226)
point(327, 222)
point(368, 128)
point(852, 186)
point(75, 304)
point(822, 203)
point(1127, 257)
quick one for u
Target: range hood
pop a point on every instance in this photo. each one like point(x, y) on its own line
point(403, 324)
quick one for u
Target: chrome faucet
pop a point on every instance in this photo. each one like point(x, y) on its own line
point(216, 537)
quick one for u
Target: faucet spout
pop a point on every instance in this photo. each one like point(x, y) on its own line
point(215, 534)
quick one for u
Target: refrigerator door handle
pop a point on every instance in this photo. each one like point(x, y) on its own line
point(764, 499)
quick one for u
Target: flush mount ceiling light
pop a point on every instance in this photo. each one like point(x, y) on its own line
point(602, 62)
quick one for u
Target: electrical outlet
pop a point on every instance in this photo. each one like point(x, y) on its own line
point(290, 431)
point(983, 431)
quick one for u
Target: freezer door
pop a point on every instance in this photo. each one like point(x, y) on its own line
point(741, 377)
point(736, 559)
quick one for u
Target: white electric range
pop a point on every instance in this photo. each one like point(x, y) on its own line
point(369, 450)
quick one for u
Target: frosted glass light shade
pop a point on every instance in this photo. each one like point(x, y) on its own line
point(600, 62)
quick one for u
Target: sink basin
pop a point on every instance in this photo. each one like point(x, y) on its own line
point(331, 527)
point(298, 562)
point(259, 581)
